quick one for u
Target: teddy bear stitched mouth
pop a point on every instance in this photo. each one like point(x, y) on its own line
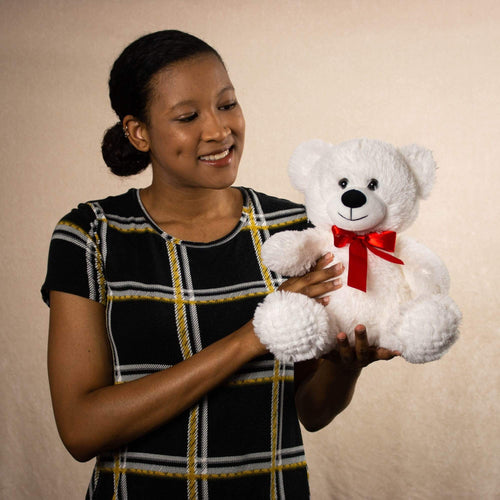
point(351, 219)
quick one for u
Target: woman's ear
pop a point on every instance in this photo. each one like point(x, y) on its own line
point(136, 132)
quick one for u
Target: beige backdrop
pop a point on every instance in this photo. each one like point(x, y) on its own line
point(425, 71)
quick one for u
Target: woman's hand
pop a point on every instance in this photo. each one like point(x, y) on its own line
point(359, 355)
point(319, 281)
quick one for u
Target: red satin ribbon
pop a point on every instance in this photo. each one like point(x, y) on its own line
point(358, 258)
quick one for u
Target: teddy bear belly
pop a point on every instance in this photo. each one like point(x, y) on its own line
point(379, 307)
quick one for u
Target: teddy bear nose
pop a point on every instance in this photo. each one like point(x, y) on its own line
point(353, 198)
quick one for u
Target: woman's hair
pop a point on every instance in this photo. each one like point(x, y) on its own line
point(131, 86)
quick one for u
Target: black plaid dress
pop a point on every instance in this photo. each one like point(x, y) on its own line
point(165, 300)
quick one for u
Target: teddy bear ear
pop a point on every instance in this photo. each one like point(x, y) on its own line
point(422, 165)
point(303, 160)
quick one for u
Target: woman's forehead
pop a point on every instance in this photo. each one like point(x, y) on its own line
point(191, 78)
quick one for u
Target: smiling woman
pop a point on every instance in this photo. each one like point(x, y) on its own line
point(195, 128)
point(194, 133)
point(154, 365)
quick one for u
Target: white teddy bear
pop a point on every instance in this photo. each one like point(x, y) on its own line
point(358, 195)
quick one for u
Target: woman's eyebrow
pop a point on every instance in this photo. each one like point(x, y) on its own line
point(190, 102)
point(185, 102)
point(225, 89)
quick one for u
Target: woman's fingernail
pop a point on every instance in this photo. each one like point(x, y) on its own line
point(337, 282)
point(338, 267)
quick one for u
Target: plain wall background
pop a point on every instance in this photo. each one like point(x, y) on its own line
point(423, 71)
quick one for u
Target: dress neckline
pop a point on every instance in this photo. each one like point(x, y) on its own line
point(241, 223)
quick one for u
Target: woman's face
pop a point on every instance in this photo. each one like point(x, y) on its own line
point(196, 128)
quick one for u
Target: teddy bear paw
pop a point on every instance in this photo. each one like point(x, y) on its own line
point(293, 327)
point(288, 253)
point(429, 327)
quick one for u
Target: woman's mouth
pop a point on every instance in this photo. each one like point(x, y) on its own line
point(218, 159)
point(215, 157)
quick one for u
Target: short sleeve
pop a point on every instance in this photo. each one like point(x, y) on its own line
point(75, 263)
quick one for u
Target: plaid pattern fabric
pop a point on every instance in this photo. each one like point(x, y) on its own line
point(166, 300)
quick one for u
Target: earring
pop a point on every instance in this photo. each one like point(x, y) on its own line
point(126, 132)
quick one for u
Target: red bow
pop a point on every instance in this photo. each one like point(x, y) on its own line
point(358, 259)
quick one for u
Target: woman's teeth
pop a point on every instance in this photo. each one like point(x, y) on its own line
point(218, 156)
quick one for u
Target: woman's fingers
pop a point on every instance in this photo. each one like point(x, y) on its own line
point(323, 261)
point(324, 301)
point(313, 288)
point(361, 346)
point(345, 351)
point(318, 282)
point(361, 353)
point(385, 354)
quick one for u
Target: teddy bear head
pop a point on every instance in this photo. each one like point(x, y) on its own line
point(362, 185)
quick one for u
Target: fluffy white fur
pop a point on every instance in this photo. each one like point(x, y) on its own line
point(406, 307)
point(285, 312)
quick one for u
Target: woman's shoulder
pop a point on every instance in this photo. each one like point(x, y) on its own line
point(272, 203)
point(87, 213)
point(276, 213)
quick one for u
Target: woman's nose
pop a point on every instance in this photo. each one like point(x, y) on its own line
point(214, 129)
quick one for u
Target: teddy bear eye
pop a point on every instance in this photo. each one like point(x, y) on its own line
point(343, 183)
point(373, 185)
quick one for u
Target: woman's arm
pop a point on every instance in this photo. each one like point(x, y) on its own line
point(93, 414)
point(324, 387)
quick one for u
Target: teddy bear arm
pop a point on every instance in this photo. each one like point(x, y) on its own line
point(424, 271)
point(293, 253)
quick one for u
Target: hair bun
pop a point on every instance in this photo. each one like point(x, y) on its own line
point(119, 154)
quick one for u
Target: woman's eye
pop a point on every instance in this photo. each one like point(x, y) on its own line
point(227, 107)
point(343, 183)
point(373, 185)
point(187, 118)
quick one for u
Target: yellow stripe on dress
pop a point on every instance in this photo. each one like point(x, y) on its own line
point(274, 425)
point(100, 273)
point(257, 241)
point(258, 247)
point(117, 471)
point(262, 380)
point(180, 311)
point(146, 229)
point(276, 225)
point(192, 449)
point(99, 259)
point(182, 332)
point(205, 476)
point(185, 302)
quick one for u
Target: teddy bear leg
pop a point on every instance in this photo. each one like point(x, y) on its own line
point(428, 328)
point(293, 327)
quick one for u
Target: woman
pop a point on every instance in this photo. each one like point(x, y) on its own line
point(154, 365)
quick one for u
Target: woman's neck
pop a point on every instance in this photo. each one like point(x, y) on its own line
point(201, 215)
